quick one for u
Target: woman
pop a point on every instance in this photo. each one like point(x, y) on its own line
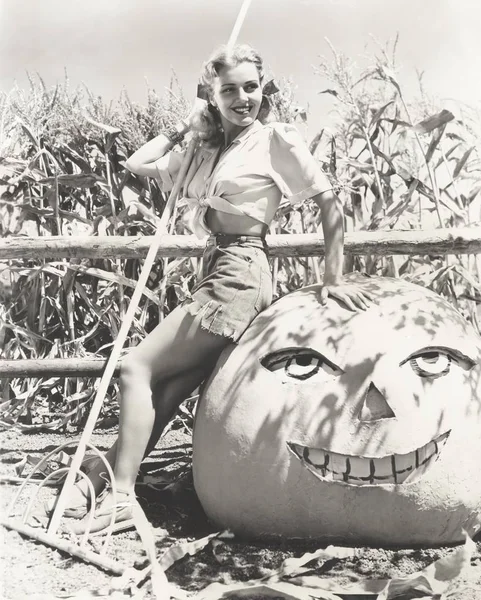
point(235, 182)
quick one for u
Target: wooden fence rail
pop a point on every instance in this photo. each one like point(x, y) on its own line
point(382, 243)
point(54, 367)
point(437, 241)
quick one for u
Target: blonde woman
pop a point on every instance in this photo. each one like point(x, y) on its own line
point(235, 184)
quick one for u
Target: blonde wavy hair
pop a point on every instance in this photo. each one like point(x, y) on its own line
point(208, 124)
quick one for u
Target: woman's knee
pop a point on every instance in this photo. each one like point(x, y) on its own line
point(134, 372)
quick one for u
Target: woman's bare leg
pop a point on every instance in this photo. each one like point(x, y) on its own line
point(167, 400)
point(177, 345)
point(176, 378)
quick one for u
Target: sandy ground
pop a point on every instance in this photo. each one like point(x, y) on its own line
point(32, 570)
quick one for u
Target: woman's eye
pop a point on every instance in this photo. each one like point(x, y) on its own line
point(299, 364)
point(434, 363)
point(251, 88)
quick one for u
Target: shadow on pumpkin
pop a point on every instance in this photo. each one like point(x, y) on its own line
point(362, 426)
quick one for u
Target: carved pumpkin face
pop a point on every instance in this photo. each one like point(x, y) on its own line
point(363, 427)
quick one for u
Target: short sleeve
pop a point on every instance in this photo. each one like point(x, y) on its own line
point(295, 171)
point(168, 167)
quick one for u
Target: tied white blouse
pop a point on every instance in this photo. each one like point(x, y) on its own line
point(250, 177)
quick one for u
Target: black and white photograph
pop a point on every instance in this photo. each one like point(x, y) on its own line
point(240, 299)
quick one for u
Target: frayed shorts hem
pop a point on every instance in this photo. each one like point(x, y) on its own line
point(209, 315)
point(235, 288)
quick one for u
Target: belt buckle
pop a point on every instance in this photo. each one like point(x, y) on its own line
point(222, 239)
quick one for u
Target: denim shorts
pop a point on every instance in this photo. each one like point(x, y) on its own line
point(236, 284)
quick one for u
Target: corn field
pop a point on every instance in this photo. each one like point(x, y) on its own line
point(396, 164)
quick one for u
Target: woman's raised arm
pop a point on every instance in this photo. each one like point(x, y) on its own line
point(142, 161)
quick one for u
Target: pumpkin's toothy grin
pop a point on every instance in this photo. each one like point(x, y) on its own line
point(363, 470)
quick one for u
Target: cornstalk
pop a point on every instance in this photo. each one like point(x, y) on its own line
point(373, 159)
point(432, 178)
point(306, 266)
point(2, 121)
point(364, 130)
point(453, 182)
point(459, 202)
point(275, 266)
point(118, 263)
point(165, 264)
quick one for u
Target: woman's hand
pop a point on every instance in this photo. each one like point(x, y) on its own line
point(350, 294)
point(195, 118)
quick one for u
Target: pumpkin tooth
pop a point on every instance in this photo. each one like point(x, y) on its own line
point(318, 458)
point(337, 465)
point(359, 470)
point(405, 463)
point(382, 471)
point(360, 467)
point(431, 450)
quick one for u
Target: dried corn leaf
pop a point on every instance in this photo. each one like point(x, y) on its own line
point(390, 75)
point(378, 152)
point(48, 212)
point(462, 272)
point(178, 551)
point(426, 191)
point(448, 153)
point(74, 156)
point(79, 180)
point(330, 91)
point(378, 114)
point(107, 128)
point(473, 193)
point(397, 123)
point(434, 121)
point(315, 142)
point(362, 166)
point(114, 278)
point(434, 579)
point(26, 333)
point(284, 590)
point(434, 143)
point(462, 161)
point(291, 565)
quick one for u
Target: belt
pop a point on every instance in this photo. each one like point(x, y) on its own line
point(225, 239)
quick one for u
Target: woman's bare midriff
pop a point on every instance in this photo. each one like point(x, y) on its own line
point(221, 222)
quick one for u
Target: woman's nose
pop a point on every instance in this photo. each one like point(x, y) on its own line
point(242, 94)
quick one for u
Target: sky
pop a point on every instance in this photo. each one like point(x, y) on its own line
point(111, 45)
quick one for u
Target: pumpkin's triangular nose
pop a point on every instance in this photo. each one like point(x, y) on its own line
point(375, 406)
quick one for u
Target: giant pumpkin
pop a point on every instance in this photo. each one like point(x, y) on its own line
point(361, 427)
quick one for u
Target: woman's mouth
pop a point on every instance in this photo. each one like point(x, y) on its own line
point(242, 110)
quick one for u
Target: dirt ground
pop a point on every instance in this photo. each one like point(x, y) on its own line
point(35, 571)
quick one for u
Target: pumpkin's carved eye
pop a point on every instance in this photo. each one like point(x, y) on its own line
point(299, 363)
point(436, 362)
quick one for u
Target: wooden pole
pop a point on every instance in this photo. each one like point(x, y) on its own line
point(118, 345)
point(238, 24)
point(73, 549)
point(383, 243)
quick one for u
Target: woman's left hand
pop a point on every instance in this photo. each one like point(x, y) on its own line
point(350, 294)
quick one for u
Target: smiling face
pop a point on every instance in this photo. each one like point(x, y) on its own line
point(361, 426)
point(237, 93)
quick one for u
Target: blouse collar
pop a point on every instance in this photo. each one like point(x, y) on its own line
point(247, 131)
point(244, 134)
